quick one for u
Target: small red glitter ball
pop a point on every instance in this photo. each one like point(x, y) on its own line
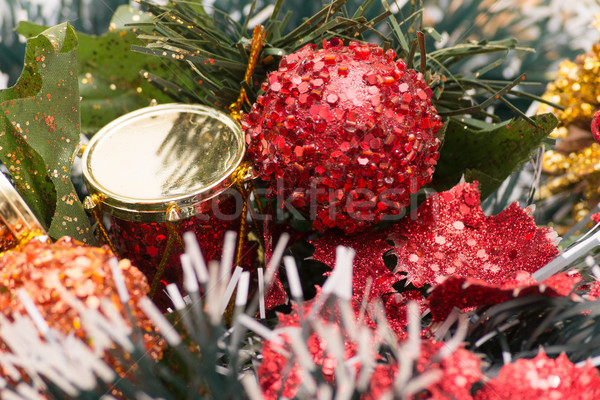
point(344, 134)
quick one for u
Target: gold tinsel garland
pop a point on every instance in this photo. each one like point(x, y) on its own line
point(573, 164)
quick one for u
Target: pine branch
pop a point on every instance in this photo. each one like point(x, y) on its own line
point(519, 327)
point(215, 49)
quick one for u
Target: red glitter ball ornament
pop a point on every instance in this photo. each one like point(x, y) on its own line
point(460, 370)
point(543, 378)
point(344, 134)
point(281, 377)
point(594, 291)
point(457, 374)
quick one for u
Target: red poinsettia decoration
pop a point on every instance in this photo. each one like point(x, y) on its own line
point(543, 378)
point(489, 258)
point(450, 235)
point(463, 292)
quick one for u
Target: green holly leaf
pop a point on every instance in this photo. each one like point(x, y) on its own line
point(39, 132)
point(110, 83)
point(488, 153)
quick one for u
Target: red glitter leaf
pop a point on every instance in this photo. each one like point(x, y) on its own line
point(452, 236)
point(368, 263)
point(275, 295)
point(464, 292)
point(543, 378)
point(395, 310)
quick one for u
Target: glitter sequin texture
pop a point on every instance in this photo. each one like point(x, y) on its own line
point(274, 376)
point(468, 292)
point(596, 126)
point(280, 376)
point(543, 378)
point(452, 236)
point(145, 243)
point(45, 269)
point(460, 370)
point(368, 264)
point(344, 134)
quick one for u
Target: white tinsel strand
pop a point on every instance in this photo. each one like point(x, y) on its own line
point(194, 255)
point(567, 257)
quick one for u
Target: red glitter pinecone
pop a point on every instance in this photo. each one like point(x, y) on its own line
point(344, 134)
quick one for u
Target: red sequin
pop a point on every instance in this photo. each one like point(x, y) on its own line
point(368, 264)
point(51, 272)
point(460, 370)
point(452, 236)
point(594, 292)
point(275, 374)
point(543, 378)
point(348, 107)
point(145, 243)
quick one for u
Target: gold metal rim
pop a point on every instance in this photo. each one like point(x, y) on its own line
point(155, 210)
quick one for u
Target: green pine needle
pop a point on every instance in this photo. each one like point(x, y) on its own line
point(212, 52)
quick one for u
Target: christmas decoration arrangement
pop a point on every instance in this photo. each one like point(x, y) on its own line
point(273, 207)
